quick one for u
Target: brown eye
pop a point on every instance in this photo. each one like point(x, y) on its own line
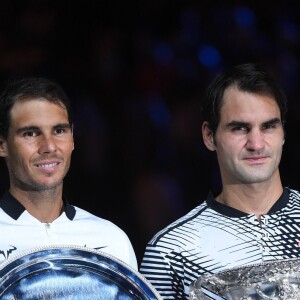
point(30, 134)
point(242, 129)
point(59, 131)
point(269, 126)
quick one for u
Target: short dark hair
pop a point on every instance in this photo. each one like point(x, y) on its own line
point(29, 87)
point(246, 77)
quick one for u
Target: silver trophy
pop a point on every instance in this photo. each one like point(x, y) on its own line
point(276, 280)
point(70, 272)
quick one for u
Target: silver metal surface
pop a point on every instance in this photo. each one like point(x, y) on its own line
point(277, 280)
point(70, 272)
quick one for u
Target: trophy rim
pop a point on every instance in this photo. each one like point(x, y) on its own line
point(61, 255)
point(247, 276)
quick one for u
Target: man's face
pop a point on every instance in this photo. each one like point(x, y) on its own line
point(249, 138)
point(39, 145)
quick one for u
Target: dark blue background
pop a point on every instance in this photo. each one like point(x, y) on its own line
point(136, 72)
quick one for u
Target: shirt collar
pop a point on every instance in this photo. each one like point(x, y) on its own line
point(14, 208)
point(232, 212)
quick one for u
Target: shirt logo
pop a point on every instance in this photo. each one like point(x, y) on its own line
point(8, 251)
point(97, 248)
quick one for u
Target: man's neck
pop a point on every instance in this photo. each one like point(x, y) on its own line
point(46, 206)
point(252, 199)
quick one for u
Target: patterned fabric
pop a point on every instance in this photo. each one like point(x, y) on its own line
point(214, 237)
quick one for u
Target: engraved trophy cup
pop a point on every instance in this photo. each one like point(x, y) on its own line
point(277, 280)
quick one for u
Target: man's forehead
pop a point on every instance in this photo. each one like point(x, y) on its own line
point(24, 100)
point(237, 102)
point(235, 91)
point(38, 111)
point(37, 102)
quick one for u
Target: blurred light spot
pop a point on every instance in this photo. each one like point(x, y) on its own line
point(159, 113)
point(244, 17)
point(209, 56)
point(163, 54)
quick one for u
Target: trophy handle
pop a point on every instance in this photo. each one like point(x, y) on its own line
point(267, 290)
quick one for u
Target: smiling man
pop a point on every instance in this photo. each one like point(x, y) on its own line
point(253, 219)
point(36, 141)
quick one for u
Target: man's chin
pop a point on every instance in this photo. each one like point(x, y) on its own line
point(48, 186)
point(255, 178)
point(41, 186)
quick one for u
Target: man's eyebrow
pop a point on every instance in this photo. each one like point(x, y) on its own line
point(63, 126)
point(36, 128)
point(28, 128)
point(237, 124)
point(272, 122)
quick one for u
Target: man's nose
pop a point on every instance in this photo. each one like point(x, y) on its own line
point(47, 144)
point(255, 140)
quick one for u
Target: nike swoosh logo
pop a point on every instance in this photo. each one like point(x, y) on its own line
point(98, 248)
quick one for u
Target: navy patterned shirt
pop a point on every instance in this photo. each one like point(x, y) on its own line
point(214, 237)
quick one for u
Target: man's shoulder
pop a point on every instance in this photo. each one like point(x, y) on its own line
point(182, 226)
point(293, 194)
point(293, 198)
point(84, 217)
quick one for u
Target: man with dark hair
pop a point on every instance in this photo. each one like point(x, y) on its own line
point(253, 219)
point(36, 141)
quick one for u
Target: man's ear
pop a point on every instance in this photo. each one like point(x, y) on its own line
point(3, 147)
point(208, 136)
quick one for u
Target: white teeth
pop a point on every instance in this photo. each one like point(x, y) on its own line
point(47, 165)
